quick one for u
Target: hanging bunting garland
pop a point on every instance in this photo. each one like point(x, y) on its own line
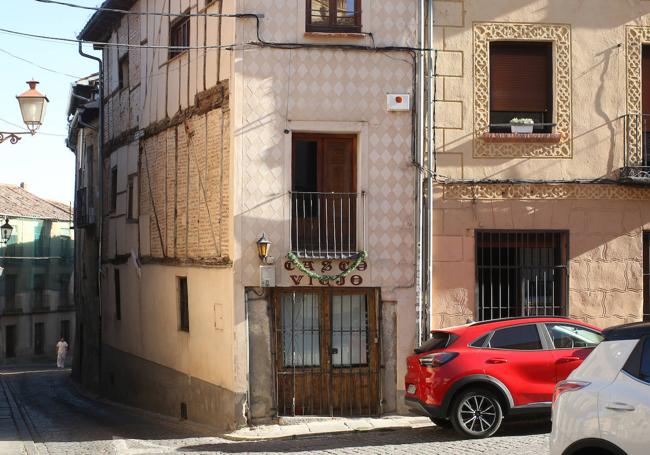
point(317, 276)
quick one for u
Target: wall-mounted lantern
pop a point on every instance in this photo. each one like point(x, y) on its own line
point(5, 231)
point(263, 247)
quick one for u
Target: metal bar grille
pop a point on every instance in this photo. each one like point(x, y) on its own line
point(521, 273)
point(325, 225)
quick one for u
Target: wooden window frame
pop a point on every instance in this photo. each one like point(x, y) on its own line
point(332, 26)
point(183, 304)
point(179, 39)
point(123, 72)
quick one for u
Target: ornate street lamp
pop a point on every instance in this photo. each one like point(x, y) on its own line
point(5, 231)
point(32, 107)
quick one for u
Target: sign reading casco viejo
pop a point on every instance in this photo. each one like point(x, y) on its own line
point(325, 267)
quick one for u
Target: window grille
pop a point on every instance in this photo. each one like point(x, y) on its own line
point(521, 273)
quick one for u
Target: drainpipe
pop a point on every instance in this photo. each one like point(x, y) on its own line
point(419, 162)
point(430, 169)
point(99, 215)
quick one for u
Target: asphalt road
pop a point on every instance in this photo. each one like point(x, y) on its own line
point(54, 418)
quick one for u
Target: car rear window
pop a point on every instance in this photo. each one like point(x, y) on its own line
point(438, 340)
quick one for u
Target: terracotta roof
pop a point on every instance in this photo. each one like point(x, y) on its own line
point(17, 202)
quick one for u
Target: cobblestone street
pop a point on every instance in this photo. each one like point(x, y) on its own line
point(43, 407)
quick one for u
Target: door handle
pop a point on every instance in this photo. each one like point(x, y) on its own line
point(568, 359)
point(496, 361)
point(618, 406)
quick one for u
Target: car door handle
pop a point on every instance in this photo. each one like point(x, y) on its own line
point(496, 361)
point(618, 406)
point(568, 359)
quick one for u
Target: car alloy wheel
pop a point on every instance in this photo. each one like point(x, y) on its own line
point(476, 413)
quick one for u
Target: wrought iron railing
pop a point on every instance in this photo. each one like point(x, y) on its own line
point(637, 149)
point(327, 225)
point(83, 212)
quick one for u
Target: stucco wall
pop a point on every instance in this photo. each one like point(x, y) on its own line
point(280, 92)
point(605, 252)
point(596, 93)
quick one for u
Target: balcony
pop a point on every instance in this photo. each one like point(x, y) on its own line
point(84, 213)
point(327, 225)
point(636, 169)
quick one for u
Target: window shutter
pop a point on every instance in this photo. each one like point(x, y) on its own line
point(520, 77)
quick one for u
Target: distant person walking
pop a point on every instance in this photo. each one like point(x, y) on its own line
point(61, 352)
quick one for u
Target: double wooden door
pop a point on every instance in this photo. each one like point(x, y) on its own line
point(326, 352)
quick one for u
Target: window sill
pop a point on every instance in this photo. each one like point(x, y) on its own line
point(333, 34)
point(535, 138)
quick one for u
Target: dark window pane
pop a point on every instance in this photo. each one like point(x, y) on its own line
point(523, 337)
point(438, 340)
point(480, 342)
point(39, 336)
point(183, 304)
point(118, 296)
point(644, 371)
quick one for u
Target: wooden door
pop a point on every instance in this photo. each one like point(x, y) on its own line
point(327, 352)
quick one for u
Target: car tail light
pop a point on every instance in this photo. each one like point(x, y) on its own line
point(437, 359)
point(568, 386)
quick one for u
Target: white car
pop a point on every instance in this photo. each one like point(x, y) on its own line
point(604, 405)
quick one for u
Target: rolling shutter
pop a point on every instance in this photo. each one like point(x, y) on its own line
point(520, 77)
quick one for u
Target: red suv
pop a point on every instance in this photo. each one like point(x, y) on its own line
point(471, 376)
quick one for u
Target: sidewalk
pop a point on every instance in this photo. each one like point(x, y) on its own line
point(11, 436)
point(293, 427)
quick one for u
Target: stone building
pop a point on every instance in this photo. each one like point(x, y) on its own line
point(224, 121)
point(554, 221)
point(36, 306)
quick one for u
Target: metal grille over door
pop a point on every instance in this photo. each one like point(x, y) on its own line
point(327, 352)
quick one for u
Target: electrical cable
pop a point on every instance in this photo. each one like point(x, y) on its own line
point(37, 65)
point(22, 129)
point(136, 13)
point(125, 45)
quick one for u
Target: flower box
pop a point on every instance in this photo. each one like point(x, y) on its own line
point(522, 125)
point(521, 128)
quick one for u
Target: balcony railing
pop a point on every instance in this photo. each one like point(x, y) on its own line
point(84, 214)
point(637, 149)
point(327, 225)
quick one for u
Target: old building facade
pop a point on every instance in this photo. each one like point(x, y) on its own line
point(378, 158)
point(224, 121)
point(555, 221)
point(83, 126)
point(36, 304)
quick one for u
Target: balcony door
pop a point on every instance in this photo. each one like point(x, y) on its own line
point(324, 195)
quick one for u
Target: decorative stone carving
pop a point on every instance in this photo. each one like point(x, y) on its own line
point(500, 191)
point(560, 36)
point(636, 37)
